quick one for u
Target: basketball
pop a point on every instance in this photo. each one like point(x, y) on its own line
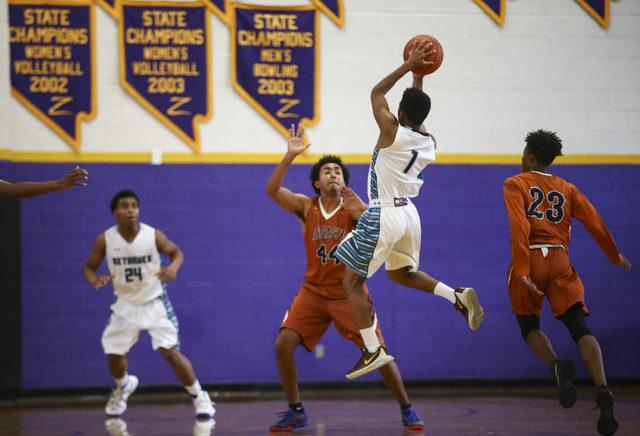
point(436, 58)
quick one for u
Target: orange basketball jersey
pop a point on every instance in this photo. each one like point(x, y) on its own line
point(322, 234)
point(540, 208)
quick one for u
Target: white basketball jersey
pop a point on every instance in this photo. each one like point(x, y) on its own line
point(396, 171)
point(134, 265)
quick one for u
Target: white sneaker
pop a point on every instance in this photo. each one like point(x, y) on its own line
point(204, 405)
point(203, 427)
point(117, 403)
point(116, 427)
point(467, 304)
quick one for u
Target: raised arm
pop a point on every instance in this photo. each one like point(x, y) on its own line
point(176, 257)
point(90, 268)
point(387, 121)
point(73, 178)
point(289, 201)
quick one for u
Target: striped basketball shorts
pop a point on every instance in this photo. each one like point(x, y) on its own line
point(389, 235)
point(127, 320)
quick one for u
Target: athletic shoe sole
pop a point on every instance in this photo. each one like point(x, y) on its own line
point(607, 423)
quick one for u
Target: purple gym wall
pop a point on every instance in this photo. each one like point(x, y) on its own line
point(244, 262)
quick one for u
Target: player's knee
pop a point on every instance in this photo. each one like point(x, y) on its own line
point(575, 322)
point(172, 356)
point(287, 341)
point(528, 323)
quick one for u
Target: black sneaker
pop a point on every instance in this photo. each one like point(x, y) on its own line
point(607, 424)
point(467, 304)
point(563, 371)
point(369, 361)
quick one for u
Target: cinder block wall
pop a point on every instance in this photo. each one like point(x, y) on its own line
point(244, 261)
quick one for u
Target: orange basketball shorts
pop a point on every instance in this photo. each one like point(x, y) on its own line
point(555, 276)
point(313, 310)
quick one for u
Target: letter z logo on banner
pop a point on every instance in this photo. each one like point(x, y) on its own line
point(274, 62)
point(165, 63)
point(52, 45)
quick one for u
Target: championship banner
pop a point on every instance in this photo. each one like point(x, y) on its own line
point(333, 9)
point(496, 9)
point(165, 63)
point(598, 9)
point(110, 6)
point(275, 62)
point(52, 61)
point(220, 8)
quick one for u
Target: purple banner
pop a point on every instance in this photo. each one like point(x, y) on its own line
point(165, 63)
point(333, 9)
point(220, 8)
point(274, 59)
point(53, 62)
point(110, 6)
point(598, 9)
point(496, 9)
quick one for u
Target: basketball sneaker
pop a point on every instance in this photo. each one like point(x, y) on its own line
point(467, 304)
point(289, 420)
point(369, 361)
point(203, 427)
point(607, 423)
point(117, 403)
point(204, 406)
point(563, 371)
point(116, 427)
point(411, 420)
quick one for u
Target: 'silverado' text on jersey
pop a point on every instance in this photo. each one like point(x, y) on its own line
point(134, 265)
point(396, 171)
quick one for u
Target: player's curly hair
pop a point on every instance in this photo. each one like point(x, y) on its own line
point(125, 193)
point(544, 145)
point(416, 105)
point(327, 158)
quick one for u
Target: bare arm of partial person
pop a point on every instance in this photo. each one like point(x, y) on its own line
point(90, 268)
point(176, 257)
point(73, 178)
point(297, 204)
point(387, 121)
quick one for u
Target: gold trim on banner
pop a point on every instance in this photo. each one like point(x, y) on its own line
point(114, 10)
point(194, 143)
point(80, 116)
point(256, 105)
point(603, 21)
point(306, 158)
point(338, 19)
point(498, 18)
point(225, 17)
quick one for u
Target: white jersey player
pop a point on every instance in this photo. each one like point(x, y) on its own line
point(135, 268)
point(389, 231)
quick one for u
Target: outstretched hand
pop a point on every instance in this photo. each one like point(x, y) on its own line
point(296, 146)
point(624, 262)
point(73, 178)
point(351, 201)
point(167, 274)
point(531, 287)
point(101, 281)
point(419, 52)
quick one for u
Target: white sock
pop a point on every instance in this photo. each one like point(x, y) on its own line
point(122, 381)
point(445, 291)
point(370, 339)
point(194, 389)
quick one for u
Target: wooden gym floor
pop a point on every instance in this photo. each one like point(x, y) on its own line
point(500, 411)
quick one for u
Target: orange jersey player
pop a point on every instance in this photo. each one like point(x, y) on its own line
point(326, 219)
point(541, 207)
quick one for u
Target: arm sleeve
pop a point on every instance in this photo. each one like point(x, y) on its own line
point(519, 226)
point(584, 212)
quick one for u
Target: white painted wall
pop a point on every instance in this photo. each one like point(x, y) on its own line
point(551, 66)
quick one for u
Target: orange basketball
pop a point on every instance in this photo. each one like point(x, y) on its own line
point(436, 58)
